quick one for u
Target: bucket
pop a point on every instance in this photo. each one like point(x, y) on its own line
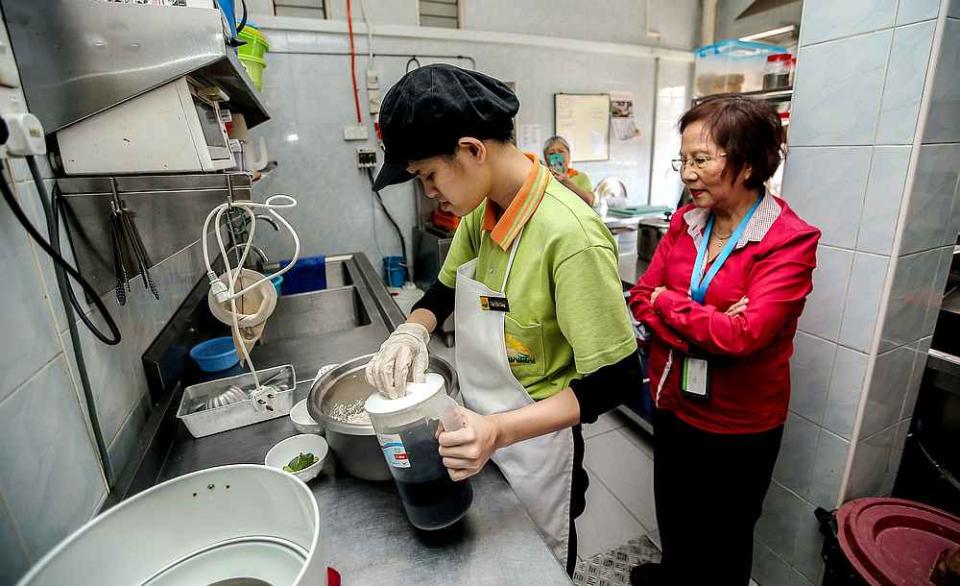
point(255, 67)
point(394, 271)
point(257, 44)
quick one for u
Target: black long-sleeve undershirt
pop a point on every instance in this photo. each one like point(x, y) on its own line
point(598, 392)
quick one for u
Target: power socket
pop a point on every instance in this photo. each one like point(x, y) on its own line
point(366, 158)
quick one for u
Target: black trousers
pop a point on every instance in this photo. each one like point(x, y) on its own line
point(709, 491)
point(578, 496)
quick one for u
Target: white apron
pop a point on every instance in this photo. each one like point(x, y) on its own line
point(539, 470)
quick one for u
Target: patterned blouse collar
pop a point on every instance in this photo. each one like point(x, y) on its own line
point(763, 218)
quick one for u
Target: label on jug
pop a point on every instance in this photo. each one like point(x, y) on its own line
point(393, 450)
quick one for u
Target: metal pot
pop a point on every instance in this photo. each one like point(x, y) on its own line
point(355, 445)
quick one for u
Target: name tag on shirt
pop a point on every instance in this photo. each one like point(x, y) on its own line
point(488, 303)
point(695, 378)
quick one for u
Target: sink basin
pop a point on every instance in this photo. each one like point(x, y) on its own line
point(349, 318)
point(316, 313)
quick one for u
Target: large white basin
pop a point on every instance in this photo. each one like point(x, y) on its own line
point(240, 521)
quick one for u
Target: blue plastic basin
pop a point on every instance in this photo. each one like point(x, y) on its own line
point(215, 355)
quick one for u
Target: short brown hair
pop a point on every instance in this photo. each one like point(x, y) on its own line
point(748, 130)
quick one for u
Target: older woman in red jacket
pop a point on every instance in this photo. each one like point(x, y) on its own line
point(721, 299)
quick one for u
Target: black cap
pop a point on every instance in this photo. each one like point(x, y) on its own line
point(431, 108)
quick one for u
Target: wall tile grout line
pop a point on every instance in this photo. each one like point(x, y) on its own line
point(866, 33)
point(30, 378)
point(925, 100)
point(16, 529)
point(887, 351)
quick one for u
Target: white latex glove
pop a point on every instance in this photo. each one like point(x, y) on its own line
point(403, 354)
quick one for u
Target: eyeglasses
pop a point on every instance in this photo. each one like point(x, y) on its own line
point(700, 162)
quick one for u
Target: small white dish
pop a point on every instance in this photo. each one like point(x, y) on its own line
point(301, 419)
point(281, 454)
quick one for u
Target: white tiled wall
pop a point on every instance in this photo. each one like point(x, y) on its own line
point(903, 88)
point(888, 214)
point(838, 90)
point(881, 205)
point(943, 123)
point(51, 480)
point(827, 20)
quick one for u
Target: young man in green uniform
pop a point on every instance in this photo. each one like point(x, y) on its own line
point(544, 341)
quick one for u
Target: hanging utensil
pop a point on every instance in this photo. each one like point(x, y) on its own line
point(140, 251)
point(119, 246)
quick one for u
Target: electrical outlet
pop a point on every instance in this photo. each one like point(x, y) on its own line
point(366, 158)
point(373, 80)
point(355, 132)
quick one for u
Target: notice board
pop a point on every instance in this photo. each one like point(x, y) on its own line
point(584, 121)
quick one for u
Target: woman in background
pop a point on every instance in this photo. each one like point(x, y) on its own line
point(556, 155)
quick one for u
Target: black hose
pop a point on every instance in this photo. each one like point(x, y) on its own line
point(243, 21)
point(403, 242)
point(59, 204)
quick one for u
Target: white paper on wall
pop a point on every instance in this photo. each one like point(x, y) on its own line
point(529, 138)
point(584, 121)
point(621, 116)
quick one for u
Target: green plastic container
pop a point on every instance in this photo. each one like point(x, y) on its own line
point(252, 53)
point(257, 44)
point(255, 67)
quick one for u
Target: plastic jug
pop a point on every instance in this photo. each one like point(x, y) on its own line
point(407, 431)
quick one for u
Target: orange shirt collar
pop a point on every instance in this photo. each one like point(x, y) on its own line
point(505, 230)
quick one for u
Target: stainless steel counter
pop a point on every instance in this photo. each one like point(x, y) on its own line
point(365, 534)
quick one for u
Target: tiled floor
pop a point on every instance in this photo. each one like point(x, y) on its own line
point(619, 460)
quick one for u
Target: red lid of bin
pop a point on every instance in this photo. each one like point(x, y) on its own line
point(779, 57)
point(895, 541)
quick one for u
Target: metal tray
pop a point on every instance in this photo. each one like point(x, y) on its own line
point(210, 421)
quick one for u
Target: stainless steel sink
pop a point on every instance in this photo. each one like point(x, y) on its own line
point(316, 313)
point(350, 318)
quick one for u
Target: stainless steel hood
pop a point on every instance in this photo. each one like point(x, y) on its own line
point(758, 6)
point(80, 57)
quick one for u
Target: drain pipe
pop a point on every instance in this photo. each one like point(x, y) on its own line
point(708, 22)
point(62, 284)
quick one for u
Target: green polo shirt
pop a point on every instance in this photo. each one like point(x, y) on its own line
point(567, 314)
point(580, 179)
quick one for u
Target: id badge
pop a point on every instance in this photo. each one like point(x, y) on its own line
point(490, 303)
point(695, 378)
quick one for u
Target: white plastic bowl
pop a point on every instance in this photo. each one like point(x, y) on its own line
point(302, 420)
point(281, 454)
point(244, 520)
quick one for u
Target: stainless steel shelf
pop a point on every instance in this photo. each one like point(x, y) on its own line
point(77, 57)
point(778, 95)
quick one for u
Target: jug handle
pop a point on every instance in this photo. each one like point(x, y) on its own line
point(450, 417)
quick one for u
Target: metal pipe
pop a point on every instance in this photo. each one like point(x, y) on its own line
point(653, 126)
point(473, 62)
point(708, 22)
point(62, 284)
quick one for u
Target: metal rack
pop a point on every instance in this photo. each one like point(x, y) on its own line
point(170, 211)
point(777, 95)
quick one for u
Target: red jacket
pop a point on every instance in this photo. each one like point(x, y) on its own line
point(749, 354)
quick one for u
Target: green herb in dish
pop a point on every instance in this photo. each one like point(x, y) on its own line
point(300, 462)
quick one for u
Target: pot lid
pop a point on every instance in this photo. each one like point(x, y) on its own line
point(895, 541)
point(417, 393)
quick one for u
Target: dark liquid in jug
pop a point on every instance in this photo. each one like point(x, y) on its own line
point(431, 498)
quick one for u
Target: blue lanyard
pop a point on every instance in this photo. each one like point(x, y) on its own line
point(698, 288)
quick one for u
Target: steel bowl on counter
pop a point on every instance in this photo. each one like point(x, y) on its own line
point(355, 445)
